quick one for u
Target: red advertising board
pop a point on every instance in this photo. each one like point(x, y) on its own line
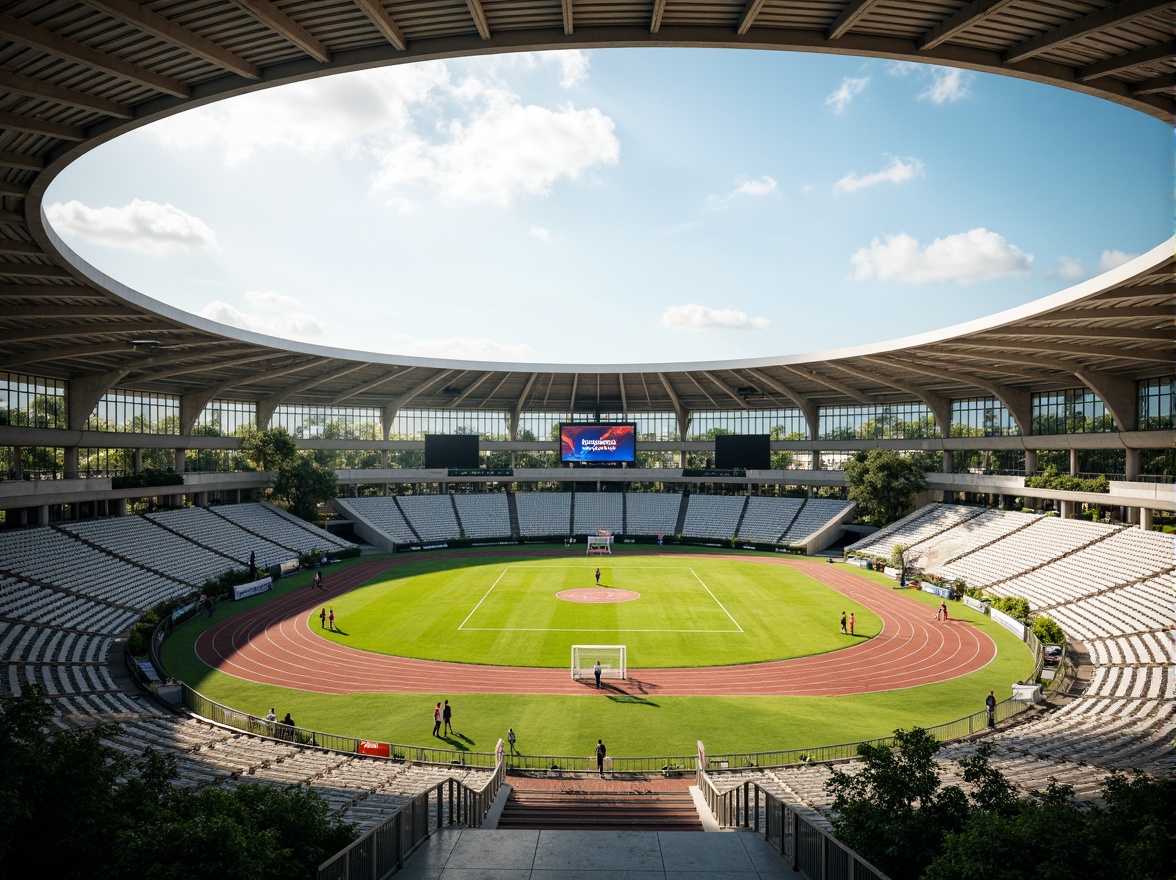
point(380, 750)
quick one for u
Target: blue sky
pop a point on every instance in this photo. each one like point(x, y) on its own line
point(622, 206)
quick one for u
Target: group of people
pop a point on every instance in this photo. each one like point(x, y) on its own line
point(327, 616)
point(941, 611)
point(443, 721)
point(850, 621)
point(317, 582)
point(283, 729)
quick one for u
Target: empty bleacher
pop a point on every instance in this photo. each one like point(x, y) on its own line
point(485, 515)
point(767, 518)
point(544, 513)
point(144, 542)
point(598, 510)
point(651, 513)
point(431, 515)
point(814, 516)
point(713, 516)
point(912, 530)
point(204, 527)
point(381, 514)
point(280, 527)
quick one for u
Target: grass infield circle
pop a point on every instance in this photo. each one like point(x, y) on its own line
point(597, 595)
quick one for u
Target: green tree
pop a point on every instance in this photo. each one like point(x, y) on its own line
point(304, 484)
point(268, 450)
point(900, 556)
point(884, 484)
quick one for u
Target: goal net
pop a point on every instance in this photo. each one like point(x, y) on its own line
point(612, 661)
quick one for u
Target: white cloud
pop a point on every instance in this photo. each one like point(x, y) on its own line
point(849, 89)
point(948, 85)
point(764, 186)
point(697, 319)
point(1068, 269)
point(541, 233)
point(965, 258)
point(573, 67)
point(505, 149)
point(142, 226)
point(464, 348)
point(284, 315)
point(898, 171)
point(1113, 260)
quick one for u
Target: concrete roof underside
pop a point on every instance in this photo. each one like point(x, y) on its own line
point(74, 75)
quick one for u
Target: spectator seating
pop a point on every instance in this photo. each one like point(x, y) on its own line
point(713, 516)
point(280, 527)
point(767, 518)
point(431, 515)
point(544, 513)
point(381, 514)
point(651, 513)
point(912, 530)
point(598, 510)
point(204, 527)
point(814, 516)
point(145, 543)
point(484, 515)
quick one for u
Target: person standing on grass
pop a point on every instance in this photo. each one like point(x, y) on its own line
point(990, 705)
point(437, 720)
point(323, 619)
point(843, 622)
point(331, 617)
point(596, 672)
point(598, 577)
point(851, 621)
point(601, 751)
point(510, 738)
point(447, 717)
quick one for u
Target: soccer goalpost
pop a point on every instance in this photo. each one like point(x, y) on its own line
point(599, 546)
point(612, 659)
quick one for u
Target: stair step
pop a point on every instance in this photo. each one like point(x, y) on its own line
point(631, 811)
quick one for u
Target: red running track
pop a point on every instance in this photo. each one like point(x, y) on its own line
point(274, 644)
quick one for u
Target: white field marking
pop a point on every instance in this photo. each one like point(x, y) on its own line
point(716, 598)
point(483, 599)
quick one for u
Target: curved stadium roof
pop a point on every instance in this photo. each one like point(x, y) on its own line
point(74, 75)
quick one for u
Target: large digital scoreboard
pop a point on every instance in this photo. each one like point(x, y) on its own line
point(612, 443)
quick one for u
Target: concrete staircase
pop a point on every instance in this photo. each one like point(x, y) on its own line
point(609, 806)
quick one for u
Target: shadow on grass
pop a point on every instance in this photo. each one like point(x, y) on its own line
point(632, 700)
point(455, 741)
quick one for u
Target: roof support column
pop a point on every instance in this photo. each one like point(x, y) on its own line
point(1120, 396)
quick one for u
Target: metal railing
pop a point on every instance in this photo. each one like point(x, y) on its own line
point(810, 850)
point(381, 852)
point(556, 765)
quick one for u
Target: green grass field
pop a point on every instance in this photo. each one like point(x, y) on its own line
point(632, 726)
point(504, 611)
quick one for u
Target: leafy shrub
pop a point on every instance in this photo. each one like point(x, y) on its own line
point(1051, 479)
point(1016, 607)
point(147, 477)
point(1047, 630)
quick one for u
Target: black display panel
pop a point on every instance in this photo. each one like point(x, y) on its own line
point(451, 451)
point(748, 451)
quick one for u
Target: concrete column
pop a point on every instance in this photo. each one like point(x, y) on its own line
point(16, 472)
point(42, 515)
point(1133, 461)
point(1145, 518)
point(816, 460)
point(1073, 462)
point(120, 507)
point(178, 459)
point(1030, 462)
point(71, 460)
point(946, 457)
point(1067, 509)
point(1133, 515)
point(138, 461)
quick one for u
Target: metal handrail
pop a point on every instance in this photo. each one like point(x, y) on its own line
point(810, 850)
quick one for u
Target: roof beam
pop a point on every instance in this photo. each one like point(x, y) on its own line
point(1117, 394)
point(1119, 13)
point(22, 161)
point(176, 34)
point(493, 391)
point(939, 404)
point(680, 411)
point(39, 38)
point(1161, 311)
point(64, 353)
point(41, 291)
point(12, 218)
point(572, 402)
point(33, 270)
point(750, 11)
point(522, 399)
point(1137, 292)
point(420, 389)
point(624, 394)
point(384, 23)
point(280, 23)
point(218, 364)
point(479, 16)
point(1154, 85)
point(850, 16)
point(567, 18)
point(33, 125)
point(14, 190)
point(369, 385)
point(71, 311)
point(956, 24)
point(1128, 61)
point(832, 383)
point(267, 405)
point(470, 389)
point(18, 245)
point(68, 331)
point(34, 88)
point(723, 385)
point(655, 18)
point(1167, 333)
point(703, 391)
point(807, 407)
point(84, 394)
point(1083, 350)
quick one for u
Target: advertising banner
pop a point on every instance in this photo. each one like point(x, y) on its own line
point(252, 588)
point(598, 443)
point(1010, 623)
point(378, 749)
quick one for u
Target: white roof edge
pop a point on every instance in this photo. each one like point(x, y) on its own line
point(1092, 286)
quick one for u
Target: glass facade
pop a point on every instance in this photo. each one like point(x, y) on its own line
point(981, 417)
point(328, 422)
point(226, 418)
point(136, 412)
point(781, 424)
point(414, 424)
point(900, 421)
point(1157, 401)
point(1073, 411)
point(32, 401)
